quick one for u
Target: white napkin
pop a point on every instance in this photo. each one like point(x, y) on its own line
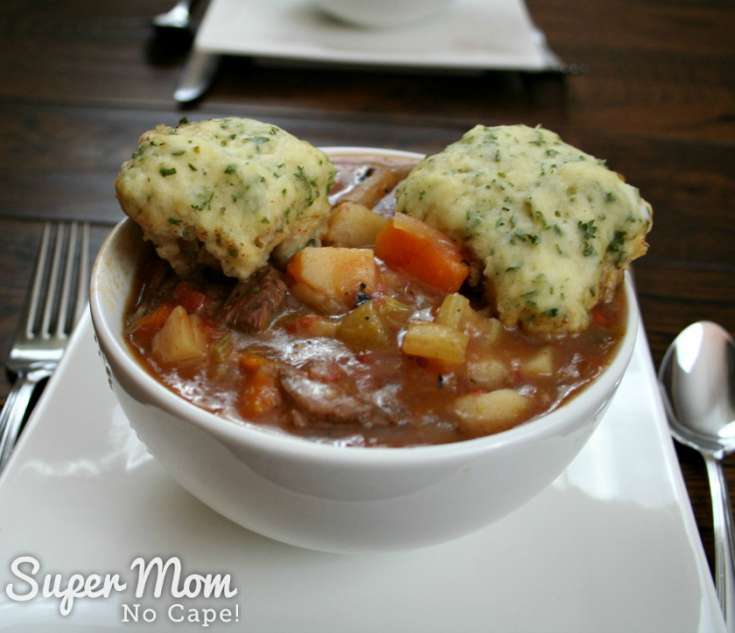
point(471, 34)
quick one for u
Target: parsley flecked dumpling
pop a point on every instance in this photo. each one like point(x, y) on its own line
point(225, 191)
point(551, 226)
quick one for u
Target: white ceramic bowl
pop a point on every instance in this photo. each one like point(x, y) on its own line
point(382, 13)
point(331, 498)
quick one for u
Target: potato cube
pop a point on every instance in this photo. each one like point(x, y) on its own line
point(316, 299)
point(453, 311)
point(181, 339)
point(354, 225)
point(486, 328)
point(333, 275)
point(363, 328)
point(393, 313)
point(490, 373)
point(435, 341)
point(482, 414)
point(541, 364)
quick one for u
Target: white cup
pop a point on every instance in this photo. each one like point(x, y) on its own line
point(382, 13)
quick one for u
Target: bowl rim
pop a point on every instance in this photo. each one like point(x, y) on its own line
point(278, 442)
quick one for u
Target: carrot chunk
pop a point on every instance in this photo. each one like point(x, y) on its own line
point(250, 362)
point(414, 247)
point(259, 394)
point(150, 323)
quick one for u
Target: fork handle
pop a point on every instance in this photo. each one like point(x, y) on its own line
point(16, 404)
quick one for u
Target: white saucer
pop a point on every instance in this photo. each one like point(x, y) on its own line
point(610, 546)
point(471, 34)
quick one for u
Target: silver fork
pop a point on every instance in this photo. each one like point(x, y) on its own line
point(48, 319)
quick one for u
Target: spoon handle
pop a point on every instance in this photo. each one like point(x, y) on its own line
point(722, 520)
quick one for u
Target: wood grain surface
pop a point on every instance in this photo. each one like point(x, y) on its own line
point(80, 80)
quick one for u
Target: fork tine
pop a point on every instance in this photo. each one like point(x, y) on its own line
point(71, 252)
point(35, 296)
point(83, 285)
point(53, 278)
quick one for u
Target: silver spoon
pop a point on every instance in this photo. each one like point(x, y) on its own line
point(178, 17)
point(697, 378)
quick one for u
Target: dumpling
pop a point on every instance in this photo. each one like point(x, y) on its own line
point(551, 226)
point(227, 192)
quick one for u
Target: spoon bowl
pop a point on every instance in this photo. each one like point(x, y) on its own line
point(698, 378)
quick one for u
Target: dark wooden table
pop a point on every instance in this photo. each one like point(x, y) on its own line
point(79, 80)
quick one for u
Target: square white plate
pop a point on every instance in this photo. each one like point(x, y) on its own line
point(611, 545)
point(471, 34)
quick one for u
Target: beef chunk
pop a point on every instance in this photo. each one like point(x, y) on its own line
point(325, 401)
point(252, 304)
point(159, 285)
